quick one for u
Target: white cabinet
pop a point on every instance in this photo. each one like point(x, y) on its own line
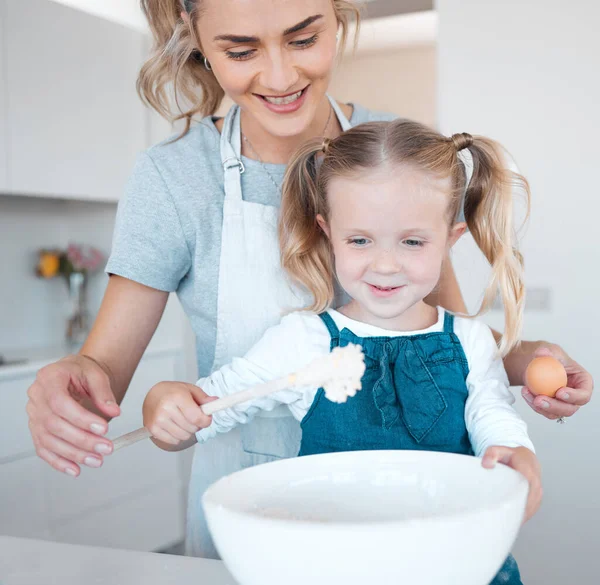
point(14, 426)
point(136, 500)
point(23, 506)
point(3, 137)
point(75, 122)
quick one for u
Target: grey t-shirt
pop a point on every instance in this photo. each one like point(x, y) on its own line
point(168, 229)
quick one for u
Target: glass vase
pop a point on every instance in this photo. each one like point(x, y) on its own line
point(78, 321)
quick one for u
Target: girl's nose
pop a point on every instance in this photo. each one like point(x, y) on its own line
point(386, 262)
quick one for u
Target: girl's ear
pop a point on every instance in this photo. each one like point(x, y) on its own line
point(323, 225)
point(457, 230)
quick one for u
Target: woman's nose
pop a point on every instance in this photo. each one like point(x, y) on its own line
point(279, 74)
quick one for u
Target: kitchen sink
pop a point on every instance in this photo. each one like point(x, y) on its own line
point(11, 362)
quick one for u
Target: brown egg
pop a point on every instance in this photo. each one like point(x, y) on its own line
point(545, 375)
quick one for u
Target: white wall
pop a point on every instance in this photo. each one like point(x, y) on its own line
point(125, 12)
point(526, 73)
point(400, 80)
point(33, 310)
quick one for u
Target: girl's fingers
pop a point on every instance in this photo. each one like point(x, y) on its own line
point(174, 430)
point(496, 454)
point(177, 415)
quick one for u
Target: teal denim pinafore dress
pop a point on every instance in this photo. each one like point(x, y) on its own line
point(413, 397)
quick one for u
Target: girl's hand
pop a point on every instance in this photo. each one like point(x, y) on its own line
point(568, 400)
point(172, 411)
point(525, 462)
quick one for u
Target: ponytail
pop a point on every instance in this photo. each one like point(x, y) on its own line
point(305, 250)
point(488, 209)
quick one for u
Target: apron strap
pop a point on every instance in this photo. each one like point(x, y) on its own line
point(231, 148)
point(231, 157)
point(344, 122)
point(332, 328)
point(448, 322)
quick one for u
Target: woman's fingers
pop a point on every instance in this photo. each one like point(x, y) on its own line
point(549, 407)
point(65, 434)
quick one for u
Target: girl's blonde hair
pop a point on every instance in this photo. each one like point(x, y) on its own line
point(176, 64)
point(306, 253)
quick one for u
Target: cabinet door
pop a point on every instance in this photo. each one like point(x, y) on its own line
point(23, 510)
point(3, 92)
point(110, 506)
point(75, 123)
point(14, 422)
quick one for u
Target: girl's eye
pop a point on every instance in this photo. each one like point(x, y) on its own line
point(241, 55)
point(305, 43)
point(358, 241)
point(414, 243)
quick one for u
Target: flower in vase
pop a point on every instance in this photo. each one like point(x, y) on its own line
point(74, 264)
point(77, 258)
point(48, 265)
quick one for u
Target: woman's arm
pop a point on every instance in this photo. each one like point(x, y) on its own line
point(447, 294)
point(579, 380)
point(128, 317)
point(72, 399)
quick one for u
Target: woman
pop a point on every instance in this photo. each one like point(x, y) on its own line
point(199, 218)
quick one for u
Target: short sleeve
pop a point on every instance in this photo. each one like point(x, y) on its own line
point(149, 245)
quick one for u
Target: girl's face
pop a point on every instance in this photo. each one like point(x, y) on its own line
point(274, 58)
point(390, 234)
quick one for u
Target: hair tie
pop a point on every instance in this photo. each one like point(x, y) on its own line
point(461, 141)
point(326, 144)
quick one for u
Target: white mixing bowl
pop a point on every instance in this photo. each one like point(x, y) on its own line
point(367, 518)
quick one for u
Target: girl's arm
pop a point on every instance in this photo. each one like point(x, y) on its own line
point(489, 416)
point(172, 409)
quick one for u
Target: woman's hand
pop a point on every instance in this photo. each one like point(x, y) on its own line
point(173, 415)
point(568, 400)
point(65, 433)
point(525, 462)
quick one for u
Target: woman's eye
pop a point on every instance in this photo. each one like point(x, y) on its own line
point(304, 43)
point(243, 55)
point(240, 55)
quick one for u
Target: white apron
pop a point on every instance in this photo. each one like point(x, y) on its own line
point(254, 294)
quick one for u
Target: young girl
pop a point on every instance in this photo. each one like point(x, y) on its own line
point(377, 209)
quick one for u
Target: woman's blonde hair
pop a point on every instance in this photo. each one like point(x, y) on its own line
point(176, 65)
point(306, 253)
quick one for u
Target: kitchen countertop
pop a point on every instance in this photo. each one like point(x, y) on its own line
point(37, 562)
point(37, 358)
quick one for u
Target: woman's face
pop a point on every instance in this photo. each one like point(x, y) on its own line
point(274, 58)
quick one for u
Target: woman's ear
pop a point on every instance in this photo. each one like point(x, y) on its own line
point(456, 231)
point(323, 225)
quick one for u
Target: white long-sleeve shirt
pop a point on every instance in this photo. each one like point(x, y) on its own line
point(301, 337)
